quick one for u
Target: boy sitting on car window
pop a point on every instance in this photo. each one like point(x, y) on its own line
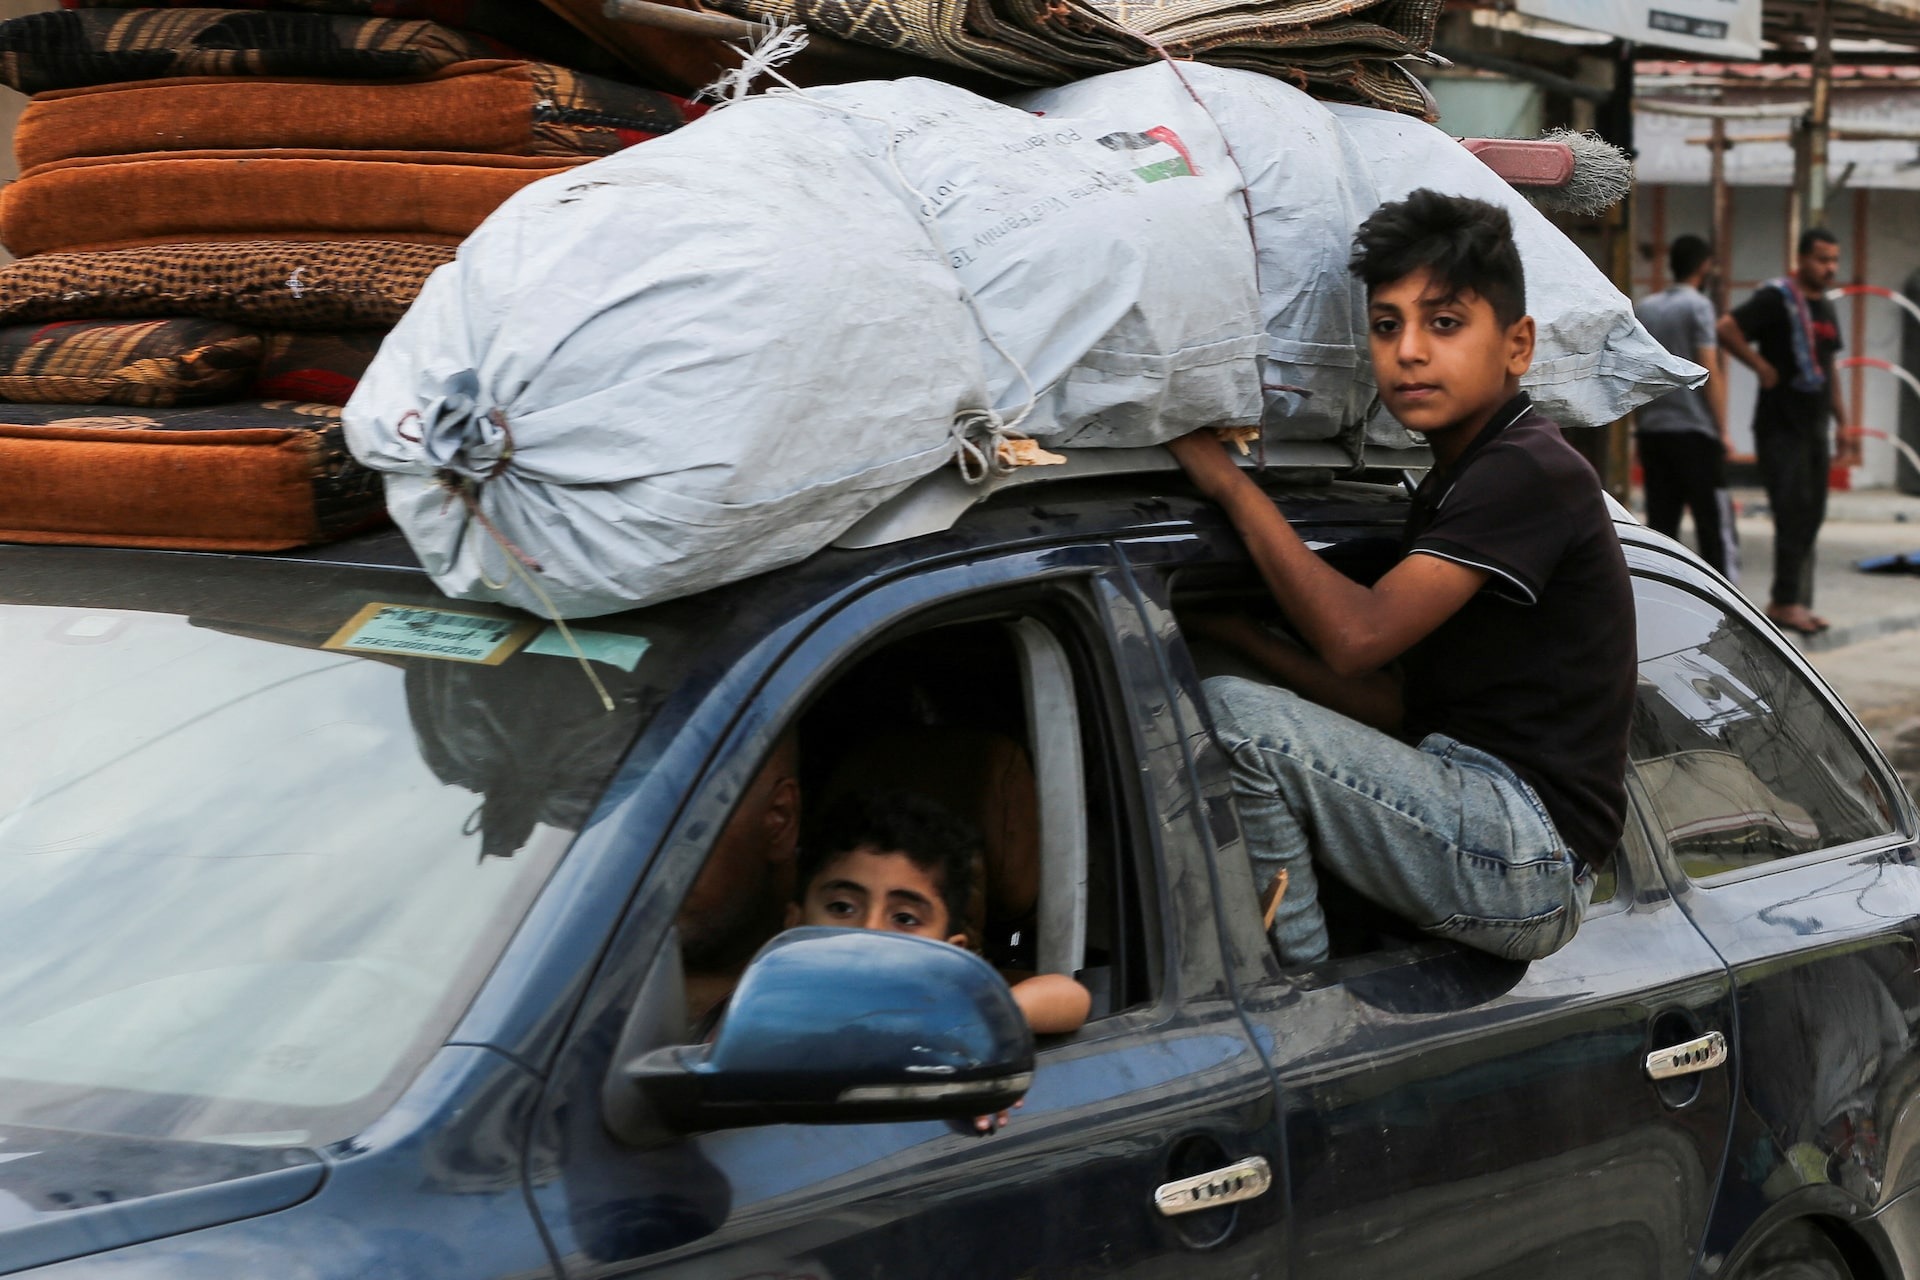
point(895, 860)
point(1487, 782)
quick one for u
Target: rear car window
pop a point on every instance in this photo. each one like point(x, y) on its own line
point(1741, 759)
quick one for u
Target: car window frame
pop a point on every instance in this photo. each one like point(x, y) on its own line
point(999, 604)
point(969, 590)
point(1629, 874)
point(1645, 562)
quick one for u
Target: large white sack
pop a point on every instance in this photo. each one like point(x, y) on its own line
point(716, 351)
point(1307, 190)
point(1593, 362)
point(691, 389)
point(1313, 172)
point(1105, 242)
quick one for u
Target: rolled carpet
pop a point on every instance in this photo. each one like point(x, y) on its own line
point(122, 201)
point(506, 108)
point(150, 363)
point(1344, 49)
point(71, 47)
point(269, 285)
point(531, 28)
point(250, 476)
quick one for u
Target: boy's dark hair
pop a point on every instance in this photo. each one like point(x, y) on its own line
point(933, 839)
point(1816, 235)
point(1686, 256)
point(1465, 243)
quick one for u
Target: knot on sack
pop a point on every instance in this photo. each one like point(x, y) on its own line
point(977, 437)
point(985, 446)
point(460, 440)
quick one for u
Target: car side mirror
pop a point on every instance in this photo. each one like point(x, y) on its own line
point(846, 1026)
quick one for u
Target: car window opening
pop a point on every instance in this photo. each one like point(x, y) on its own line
point(1356, 925)
point(990, 721)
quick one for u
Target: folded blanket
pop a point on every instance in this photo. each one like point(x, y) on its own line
point(316, 366)
point(273, 285)
point(152, 363)
point(1345, 49)
point(531, 28)
point(71, 47)
point(115, 202)
point(509, 108)
point(251, 476)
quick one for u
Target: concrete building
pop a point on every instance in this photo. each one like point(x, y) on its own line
point(1874, 208)
point(1519, 66)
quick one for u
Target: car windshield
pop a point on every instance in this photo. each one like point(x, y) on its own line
point(265, 825)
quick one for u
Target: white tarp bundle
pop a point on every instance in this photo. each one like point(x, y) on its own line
point(707, 356)
point(1313, 172)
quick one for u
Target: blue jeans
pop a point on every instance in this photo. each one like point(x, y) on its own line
point(1443, 834)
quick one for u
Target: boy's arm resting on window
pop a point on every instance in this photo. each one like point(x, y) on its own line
point(1355, 629)
point(1053, 1003)
point(1372, 698)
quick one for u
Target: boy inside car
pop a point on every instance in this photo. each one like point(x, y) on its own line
point(895, 860)
point(1451, 741)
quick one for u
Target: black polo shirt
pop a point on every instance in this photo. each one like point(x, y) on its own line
point(1766, 321)
point(1538, 668)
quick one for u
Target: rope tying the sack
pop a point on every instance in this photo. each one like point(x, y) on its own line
point(519, 563)
point(499, 419)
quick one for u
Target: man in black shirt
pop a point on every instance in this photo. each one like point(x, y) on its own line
point(1479, 795)
point(1796, 332)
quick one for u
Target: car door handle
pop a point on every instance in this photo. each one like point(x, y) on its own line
point(1702, 1053)
point(1241, 1180)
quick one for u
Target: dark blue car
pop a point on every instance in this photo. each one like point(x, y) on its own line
point(345, 931)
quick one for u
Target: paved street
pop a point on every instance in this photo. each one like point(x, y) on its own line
point(1860, 605)
point(1880, 680)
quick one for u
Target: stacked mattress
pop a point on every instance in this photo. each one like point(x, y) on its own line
point(219, 214)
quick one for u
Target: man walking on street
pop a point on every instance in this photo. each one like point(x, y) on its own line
point(1787, 333)
point(1683, 435)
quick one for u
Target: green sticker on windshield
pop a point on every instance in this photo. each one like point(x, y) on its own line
point(409, 631)
point(610, 647)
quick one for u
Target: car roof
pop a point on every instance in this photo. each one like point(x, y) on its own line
point(1095, 493)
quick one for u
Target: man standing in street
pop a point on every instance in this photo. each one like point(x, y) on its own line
point(1787, 333)
point(1683, 435)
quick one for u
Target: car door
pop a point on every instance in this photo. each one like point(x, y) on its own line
point(1790, 843)
point(1450, 1114)
point(1159, 1089)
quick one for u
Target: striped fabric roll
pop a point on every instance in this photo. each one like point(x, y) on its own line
point(72, 47)
point(148, 363)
